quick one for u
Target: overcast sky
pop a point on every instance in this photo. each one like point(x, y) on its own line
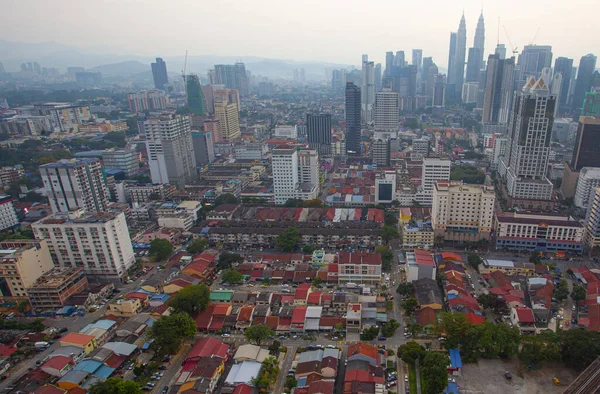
point(336, 31)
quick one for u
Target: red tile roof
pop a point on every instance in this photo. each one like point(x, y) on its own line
point(314, 298)
point(302, 291)
point(299, 315)
point(6, 351)
point(328, 321)
point(474, 318)
point(426, 316)
point(58, 362)
point(77, 339)
point(204, 318)
point(424, 257)
point(208, 347)
point(243, 389)
point(451, 256)
point(525, 315)
point(361, 257)
point(221, 309)
point(137, 294)
point(364, 349)
point(245, 313)
point(49, 389)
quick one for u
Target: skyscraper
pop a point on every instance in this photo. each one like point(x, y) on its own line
point(378, 77)
point(318, 132)
point(439, 91)
point(353, 135)
point(229, 119)
point(500, 51)
point(389, 63)
point(195, 95)
point(586, 152)
point(479, 40)
point(563, 66)
point(459, 57)
point(387, 109)
point(367, 90)
point(204, 150)
point(587, 65)
point(381, 152)
point(75, 183)
point(417, 58)
point(532, 60)
point(295, 174)
point(338, 80)
point(451, 57)
point(399, 60)
point(473, 64)
point(170, 149)
point(233, 76)
point(498, 89)
point(159, 73)
point(524, 166)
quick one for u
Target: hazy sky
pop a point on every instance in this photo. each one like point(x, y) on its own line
point(325, 30)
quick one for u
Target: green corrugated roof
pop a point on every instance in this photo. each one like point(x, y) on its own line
point(221, 295)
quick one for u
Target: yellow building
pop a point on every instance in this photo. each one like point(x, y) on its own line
point(22, 262)
point(86, 342)
point(126, 306)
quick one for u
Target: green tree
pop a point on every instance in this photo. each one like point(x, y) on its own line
point(317, 281)
point(406, 289)
point(275, 347)
point(115, 386)
point(191, 300)
point(232, 276)
point(160, 248)
point(294, 203)
point(535, 257)
point(389, 328)
point(143, 179)
point(390, 219)
point(415, 329)
point(579, 348)
point(339, 327)
point(22, 306)
point(226, 198)
point(410, 305)
point(197, 246)
point(388, 233)
point(308, 249)
point(537, 349)
point(314, 203)
point(474, 260)
point(288, 239)
point(387, 257)
point(411, 123)
point(169, 331)
point(468, 174)
point(410, 352)
point(578, 294)
point(258, 333)
point(368, 334)
point(491, 301)
point(561, 291)
point(290, 383)
point(227, 260)
point(268, 374)
point(434, 372)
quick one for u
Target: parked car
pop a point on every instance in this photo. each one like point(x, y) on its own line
point(226, 335)
point(382, 338)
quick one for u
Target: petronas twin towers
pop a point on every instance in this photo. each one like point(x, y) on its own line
point(458, 52)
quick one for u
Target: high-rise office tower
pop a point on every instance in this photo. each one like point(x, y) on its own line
point(432, 73)
point(318, 132)
point(228, 115)
point(532, 60)
point(433, 170)
point(555, 88)
point(451, 57)
point(439, 91)
point(563, 66)
point(586, 152)
point(498, 90)
point(195, 95)
point(233, 76)
point(387, 110)
point(295, 174)
point(389, 63)
point(75, 183)
point(591, 105)
point(367, 90)
point(381, 152)
point(149, 100)
point(417, 58)
point(427, 62)
point(170, 149)
point(159, 73)
point(524, 166)
point(204, 149)
point(587, 65)
point(399, 60)
point(473, 64)
point(500, 51)
point(353, 136)
point(459, 57)
point(378, 77)
point(479, 40)
point(338, 80)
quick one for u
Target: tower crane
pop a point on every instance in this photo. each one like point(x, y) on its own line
point(183, 71)
point(514, 49)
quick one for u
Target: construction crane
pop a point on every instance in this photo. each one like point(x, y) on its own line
point(183, 71)
point(534, 36)
point(515, 50)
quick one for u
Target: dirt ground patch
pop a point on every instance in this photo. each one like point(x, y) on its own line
point(487, 377)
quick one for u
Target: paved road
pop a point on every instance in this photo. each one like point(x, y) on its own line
point(418, 375)
point(287, 365)
point(172, 371)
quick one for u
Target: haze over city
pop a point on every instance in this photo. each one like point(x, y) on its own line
point(331, 31)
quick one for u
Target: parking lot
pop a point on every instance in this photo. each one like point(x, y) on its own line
point(487, 377)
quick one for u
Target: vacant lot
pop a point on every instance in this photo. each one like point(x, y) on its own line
point(487, 377)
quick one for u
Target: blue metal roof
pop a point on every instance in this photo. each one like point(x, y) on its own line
point(451, 389)
point(455, 361)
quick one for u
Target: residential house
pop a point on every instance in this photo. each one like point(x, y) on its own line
point(522, 317)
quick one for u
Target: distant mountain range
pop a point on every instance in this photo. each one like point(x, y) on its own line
point(114, 62)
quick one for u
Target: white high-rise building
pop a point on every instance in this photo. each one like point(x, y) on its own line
point(525, 164)
point(434, 169)
point(367, 90)
point(8, 214)
point(295, 174)
point(592, 220)
point(97, 242)
point(387, 110)
point(589, 179)
point(170, 149)
point(470, 91)
point(462, 212)
point(75, 183)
